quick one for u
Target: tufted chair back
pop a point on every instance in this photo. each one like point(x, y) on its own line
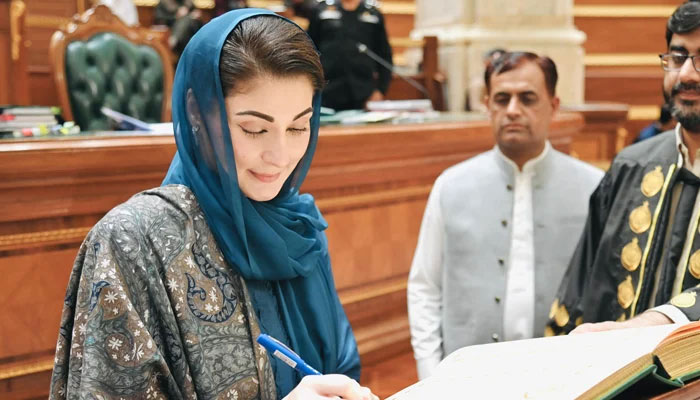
point(98, 61)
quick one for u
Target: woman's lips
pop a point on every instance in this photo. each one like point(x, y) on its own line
point(267, 178)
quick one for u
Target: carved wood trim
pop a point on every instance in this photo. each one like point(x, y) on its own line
point(96, 20)
point(630, 59)
point(15, 369)
point(335, 204)
point(44, 238)
point(617, 11)
point(46, 21)
point(17, 15)
point(204, 4)
point(18, 90)
point(372, 290)
point(81, 5)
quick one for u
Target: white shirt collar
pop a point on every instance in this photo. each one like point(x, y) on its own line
point(530, 164)
point(683, 156)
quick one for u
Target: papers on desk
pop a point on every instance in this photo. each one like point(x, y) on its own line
point(161, 128)
point(415, 105)
point(32, 121)
point(351, 117)
point(125, 122)
point(354, 117)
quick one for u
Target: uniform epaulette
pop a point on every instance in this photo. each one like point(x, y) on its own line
point(371, 5)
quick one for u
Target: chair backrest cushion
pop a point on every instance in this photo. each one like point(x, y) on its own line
point(107, 70)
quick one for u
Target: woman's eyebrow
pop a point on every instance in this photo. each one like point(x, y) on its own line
point(268, 118)
point(308, 110)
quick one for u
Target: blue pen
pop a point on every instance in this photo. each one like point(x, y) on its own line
point(284, 353)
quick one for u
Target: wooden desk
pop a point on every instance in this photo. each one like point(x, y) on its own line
point(604, 135)
point(370, 182)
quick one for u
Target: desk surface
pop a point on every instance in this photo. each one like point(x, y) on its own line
point(371, 183)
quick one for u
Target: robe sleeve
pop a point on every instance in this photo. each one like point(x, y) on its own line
point(687, 302)
point(567, 309)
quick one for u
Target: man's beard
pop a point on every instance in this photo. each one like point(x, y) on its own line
point(685, 114)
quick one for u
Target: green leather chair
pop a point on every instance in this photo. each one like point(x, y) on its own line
point(100, 62)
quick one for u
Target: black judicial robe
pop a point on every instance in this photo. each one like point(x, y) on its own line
point(628, 235)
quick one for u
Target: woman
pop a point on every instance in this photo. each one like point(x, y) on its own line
point(170, 289)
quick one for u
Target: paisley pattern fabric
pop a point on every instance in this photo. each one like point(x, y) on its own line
point(153, 311)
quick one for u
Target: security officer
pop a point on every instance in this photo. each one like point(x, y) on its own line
point(340, 29)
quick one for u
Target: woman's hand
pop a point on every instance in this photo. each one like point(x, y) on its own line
point(330, 387)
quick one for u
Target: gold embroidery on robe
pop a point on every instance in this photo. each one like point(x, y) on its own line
point(694, 264)
point(548, 331)
point(625, 293)
point(631, 255)
point(684, 300)
point(647, 247)
point(652, 182)
point(562, 316)
point(553, 308)
point(579, 321)
point(640, 218)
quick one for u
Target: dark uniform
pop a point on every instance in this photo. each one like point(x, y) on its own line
point(181, 29)
point(352, 76)
point(632, 255)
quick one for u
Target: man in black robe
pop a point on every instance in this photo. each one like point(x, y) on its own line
point(638, 260)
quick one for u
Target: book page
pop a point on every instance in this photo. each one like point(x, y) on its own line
point(561, 367)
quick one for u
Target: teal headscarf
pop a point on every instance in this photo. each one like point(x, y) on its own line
point(281, 240)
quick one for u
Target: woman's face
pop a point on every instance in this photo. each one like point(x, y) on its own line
point(269, 123)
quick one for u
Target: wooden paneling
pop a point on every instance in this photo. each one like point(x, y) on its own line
point(62, 8)
point(14, 80)
point(42, 87)
point(30, 306)
point(146, 15)
point(398, 25)
point(5, 63)
point(43, 18)
point(623, 35)
point(28, 387)
point(604, 134)
point(631, 85)
point(629, 2)
point(370, 182)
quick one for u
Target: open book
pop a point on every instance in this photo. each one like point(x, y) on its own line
point(597, 365)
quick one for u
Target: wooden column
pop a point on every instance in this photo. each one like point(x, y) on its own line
point(14, 79)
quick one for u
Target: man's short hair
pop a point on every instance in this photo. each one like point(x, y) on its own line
point(685, 19)
point(493, 54)
point(511, 60)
